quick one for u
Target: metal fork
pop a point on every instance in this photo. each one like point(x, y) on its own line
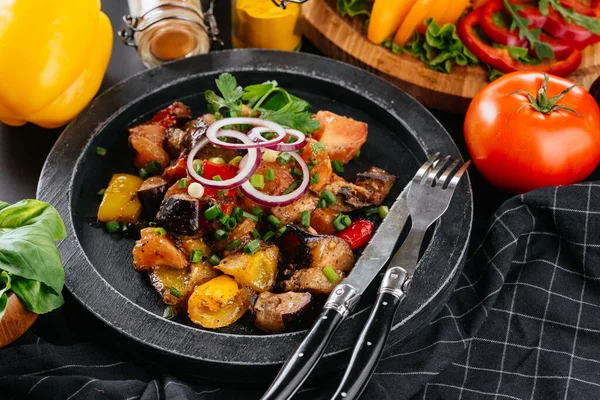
point(428, 198)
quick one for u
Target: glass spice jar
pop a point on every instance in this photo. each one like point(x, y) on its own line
point(163, 30)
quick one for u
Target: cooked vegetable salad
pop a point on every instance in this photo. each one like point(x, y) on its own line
point(244, 208)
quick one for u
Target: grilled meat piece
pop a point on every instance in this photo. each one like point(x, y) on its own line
point(154, 250)
point(349, 197)
point(293, 212)
point(302, 249)
point(180, 213)
point(377, 183)
point(241, 232)
point(147, 142)
point(282, 312)
point(151, 194)
point(176, 113)
point(182, 140)
point(311, 280)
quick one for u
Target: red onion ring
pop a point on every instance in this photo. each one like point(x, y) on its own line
point(255, 134)
point(212, 130)
point(282, 200)
point(245, 171)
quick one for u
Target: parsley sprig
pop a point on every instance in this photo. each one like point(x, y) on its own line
point(271, 101)
point(541, 49)
point(592, 24)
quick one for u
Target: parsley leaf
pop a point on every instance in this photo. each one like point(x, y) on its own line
point(253, 93)
point(542, 50)
point(292, 115)
point(230, 91)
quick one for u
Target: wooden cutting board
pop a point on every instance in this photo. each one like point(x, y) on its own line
point(344, 39)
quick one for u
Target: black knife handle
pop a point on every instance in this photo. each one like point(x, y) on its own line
point(371, 341)
point(300, 364)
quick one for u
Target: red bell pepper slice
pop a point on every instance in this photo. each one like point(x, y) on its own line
point(503, 35)
point(580, 8)
point(500, 59)
point(177, 170)
point(358, 233)
point(228, 198)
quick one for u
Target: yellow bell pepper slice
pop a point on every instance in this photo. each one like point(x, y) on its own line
point(120, 201)
point(55, 56)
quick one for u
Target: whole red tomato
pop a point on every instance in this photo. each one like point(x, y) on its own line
point(522, 134)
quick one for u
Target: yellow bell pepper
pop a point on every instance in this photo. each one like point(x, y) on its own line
point(120, 202)
point(54, 55)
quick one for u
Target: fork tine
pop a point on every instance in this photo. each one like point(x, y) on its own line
point(432, 177)
point(458, 175)
point(425, 168)
point(447, 173)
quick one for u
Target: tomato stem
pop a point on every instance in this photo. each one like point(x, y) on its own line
point(542, 104)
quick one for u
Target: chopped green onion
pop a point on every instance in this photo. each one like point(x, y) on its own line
point(296, 172)
point(250, 216)
point(214, 259)
point(235, 160)
point(233, 245)
point(173, 290)
point(217, 160)
point(217, 178)
point(305, 221)
point(291, 139)
point(341, 222)
point(269, 135)
point(300, 151)
point(318, 147)
point(221, 193)
point(196, 256)
point(153, 167)
point(230, 224)
point(291, 188)
point(282, 230)
point(383, 211)
point(151, 223)
point(101, 151)
point(237, 213)
point(337, 166)
point(267, 236)
point(223, 219)
point(182, 184)
point(371, 211)
point(112, 226)
point(274, 221)
point(101, 192)
point(252, 247)
point(255, 234)
point(143, 174)
point(160, 231)
point(357, 155)
point(257, 181)
point(322, 203)
point(284, 158)
point(328, 196)
point(220, 234)
point(270, 174)
point(213, 212)
point(198, 166)
point(256, 210)
point(330, 273)
point(168, 313)
point(312, 162)
point(314, 179)
point(124, 227)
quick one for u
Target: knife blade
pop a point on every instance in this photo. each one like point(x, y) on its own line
point(341, 302)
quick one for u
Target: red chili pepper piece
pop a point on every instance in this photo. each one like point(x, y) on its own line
point(500, 58)
point(358, 233)
point(503, 35)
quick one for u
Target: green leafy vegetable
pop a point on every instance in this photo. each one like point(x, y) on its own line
point(28, 253)
point(352, 8)
point(440, 48)
point(499, 20)
point(230, 91)
point(4, 287)
point(592, 24)
point(541, 49)
point(493, 74)
point(292, 115)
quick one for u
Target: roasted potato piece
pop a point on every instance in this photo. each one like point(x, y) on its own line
point(218, 302)
point(311, 280)
point(120, 201)
point(201, 273)
point(154, 250)
point(241, 232)
point(322, 221)
point(258, 270)
point(282, 312)
point(293, 212)
point(342, 136)
point(282, 180)
point(318, 162)
point(302, 249)
point(165, 278)
point(187, 244)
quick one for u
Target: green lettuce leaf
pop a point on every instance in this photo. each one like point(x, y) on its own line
point(352, 8)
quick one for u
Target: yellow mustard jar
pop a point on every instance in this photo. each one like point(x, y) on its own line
point(261, 24)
